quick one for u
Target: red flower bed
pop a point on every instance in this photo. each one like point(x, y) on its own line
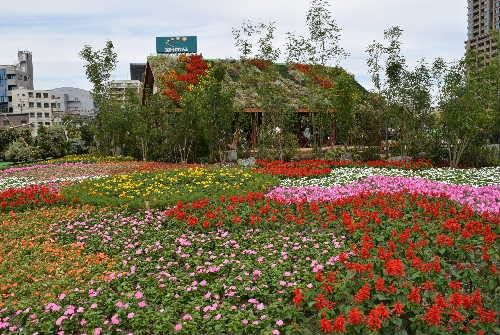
point(319, 167)
point(409, 265)
point(36, 195)
point(429, 270)
point(303, 168)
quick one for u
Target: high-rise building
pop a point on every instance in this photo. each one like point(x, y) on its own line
point(483, 24)
point(137, 71)
point(13, 77)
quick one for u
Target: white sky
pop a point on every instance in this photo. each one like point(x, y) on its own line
point(56, 30)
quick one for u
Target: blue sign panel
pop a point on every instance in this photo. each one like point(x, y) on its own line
point(3, 86)
point(177, 45)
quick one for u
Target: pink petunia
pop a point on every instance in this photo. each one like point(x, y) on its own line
point(115, 320)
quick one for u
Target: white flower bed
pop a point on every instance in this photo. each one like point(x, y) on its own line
point(19, 182)
point(347, 175)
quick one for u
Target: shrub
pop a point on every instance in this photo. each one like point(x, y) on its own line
point(369, 154)
point(20, 151)
point(52, 141)
point(479, 156)
point(274, 143)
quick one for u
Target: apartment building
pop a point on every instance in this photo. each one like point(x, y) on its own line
point(13, 77)
point(119, 88)
point(483, 25)
point(37, 107)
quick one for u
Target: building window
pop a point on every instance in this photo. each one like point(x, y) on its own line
point(25, 78)
point(47, 115)
point(11, 110)
point(47, 123)
point(58, 105)
point(11, 76)
point(32, 114)
point(38, 95)
point(31, 104)
point(38, 114)
point(53, 105)
point(46, 105)
point(10, 99)
point(40, 124)
point(38, 105)
point(30, 94)
point(45, 95)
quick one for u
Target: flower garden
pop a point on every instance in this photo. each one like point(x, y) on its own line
point(102, 246)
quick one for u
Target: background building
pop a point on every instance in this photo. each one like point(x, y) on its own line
point(13, 77)
point(137, 71)
point(76, 101)
point(37, 108)
point(483, 23)
point(119, 88)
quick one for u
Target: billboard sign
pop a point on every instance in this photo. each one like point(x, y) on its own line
point(177, 45)
point(3, 86)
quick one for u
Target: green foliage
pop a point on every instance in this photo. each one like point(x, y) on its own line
point(274, 144)
point(408, 92)
point(52, 142)
point(367, 122)
point(213, 103)
point(321, 46)
point(469, 102)
point(9, 135)
point(98, 68)
point(369, 154)
point(20, 151)
point(481, 155)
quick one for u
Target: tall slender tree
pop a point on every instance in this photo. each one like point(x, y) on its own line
point(321, 47)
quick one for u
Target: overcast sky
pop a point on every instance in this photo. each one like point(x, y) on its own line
point(56, 30)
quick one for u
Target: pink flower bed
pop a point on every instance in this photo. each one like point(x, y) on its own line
point(484, 199)
point(21, 169)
